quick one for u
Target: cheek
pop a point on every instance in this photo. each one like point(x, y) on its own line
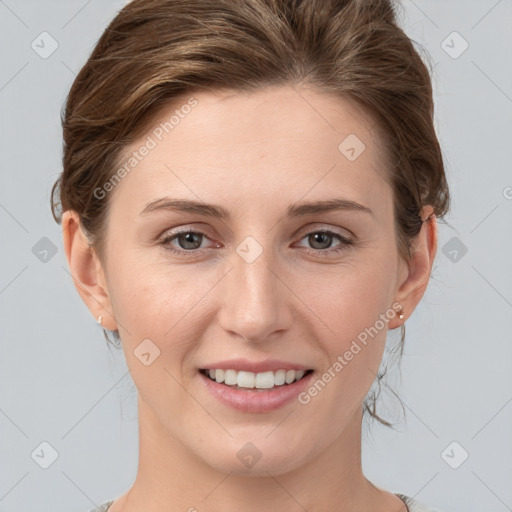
point(158, 313)
point(161, 302)
point(351, 306)
point(350, 299)
point(150, 295)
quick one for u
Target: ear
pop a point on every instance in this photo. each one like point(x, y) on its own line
point(86, 270)
point(416, 275)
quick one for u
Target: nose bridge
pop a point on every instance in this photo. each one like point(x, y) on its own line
point(254, 305)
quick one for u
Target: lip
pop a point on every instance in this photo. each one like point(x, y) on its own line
point(256, 401)
point(270, 365)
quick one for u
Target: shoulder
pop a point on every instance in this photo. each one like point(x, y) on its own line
point(103, 507)
point(414, 505)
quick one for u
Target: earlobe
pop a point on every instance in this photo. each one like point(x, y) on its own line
point(86, 270)
point(423, 252)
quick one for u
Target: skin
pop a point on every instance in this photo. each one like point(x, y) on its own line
point(254, 154)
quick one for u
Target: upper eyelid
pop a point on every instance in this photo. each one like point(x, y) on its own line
point(307, 229)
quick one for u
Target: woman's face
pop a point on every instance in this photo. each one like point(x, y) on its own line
point(260, 288)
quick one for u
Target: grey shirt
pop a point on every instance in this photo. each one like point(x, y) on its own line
point(412, 505)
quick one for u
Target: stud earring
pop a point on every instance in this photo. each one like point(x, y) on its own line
point(401, 314)
point(99, 319)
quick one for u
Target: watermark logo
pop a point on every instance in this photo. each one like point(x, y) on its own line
point(454, 45)
point(44, 45)
point(352, 147)
point(44, 455)
point(249, 249)
point(44, 250)
point(454, 249)
point(249, 455)
point(454, 455)
point(146, 352)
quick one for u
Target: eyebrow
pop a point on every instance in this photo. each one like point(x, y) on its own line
point(219, 212)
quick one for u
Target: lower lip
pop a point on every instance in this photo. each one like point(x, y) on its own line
point(256, 401)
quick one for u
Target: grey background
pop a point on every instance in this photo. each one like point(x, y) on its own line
point(60, 383)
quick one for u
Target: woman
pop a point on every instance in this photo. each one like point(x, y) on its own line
point(249, 203)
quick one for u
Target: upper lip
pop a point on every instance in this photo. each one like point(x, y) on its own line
point(269, 365)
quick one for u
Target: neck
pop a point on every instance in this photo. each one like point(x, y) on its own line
point(171, 478)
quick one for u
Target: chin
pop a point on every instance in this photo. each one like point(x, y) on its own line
point(255, 458)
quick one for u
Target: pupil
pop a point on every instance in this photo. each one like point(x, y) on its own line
point(187, 238)
point(317, 236)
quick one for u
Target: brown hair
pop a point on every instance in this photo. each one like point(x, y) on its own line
point(155, 51)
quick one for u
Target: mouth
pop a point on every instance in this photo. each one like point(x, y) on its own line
point(250, 381)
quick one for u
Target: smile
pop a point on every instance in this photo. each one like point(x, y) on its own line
point(256, 381)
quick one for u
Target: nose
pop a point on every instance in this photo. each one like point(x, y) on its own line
point(256, 300)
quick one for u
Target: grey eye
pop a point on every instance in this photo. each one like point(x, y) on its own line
point(189, 240)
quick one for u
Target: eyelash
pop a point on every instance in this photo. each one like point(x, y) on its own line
point(346, 243)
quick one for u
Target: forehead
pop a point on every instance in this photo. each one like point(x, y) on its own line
point(272, 143)
point(271, 114)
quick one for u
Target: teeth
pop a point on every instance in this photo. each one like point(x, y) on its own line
point(299, 374)
point(230, 377)
point(219, 375)
point(245, 379)
point(264, 380)
point(279, 377)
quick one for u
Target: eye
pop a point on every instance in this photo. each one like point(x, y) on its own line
point(321, 241)
point(188, 241)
